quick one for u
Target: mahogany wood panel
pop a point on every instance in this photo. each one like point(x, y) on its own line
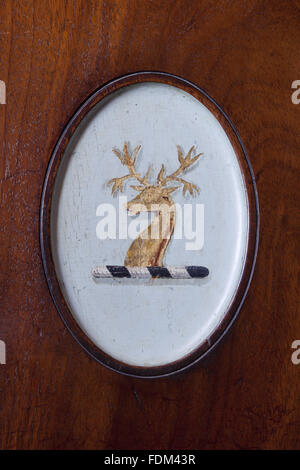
point(245, 55)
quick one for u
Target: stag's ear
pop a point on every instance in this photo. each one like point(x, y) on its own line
point(169, 190)
point(138, 188)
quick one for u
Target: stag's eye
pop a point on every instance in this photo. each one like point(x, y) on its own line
point(165, 198)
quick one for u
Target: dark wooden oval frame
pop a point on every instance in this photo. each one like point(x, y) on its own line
point(45, 213)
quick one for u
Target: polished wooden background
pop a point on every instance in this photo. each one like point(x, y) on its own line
point(53, 53)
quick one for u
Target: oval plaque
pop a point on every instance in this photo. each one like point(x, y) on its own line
point(149, 224)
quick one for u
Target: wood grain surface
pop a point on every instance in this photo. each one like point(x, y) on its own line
point(245, 55)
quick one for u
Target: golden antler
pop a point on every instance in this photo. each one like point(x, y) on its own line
point(185, 163)
point(129, 162)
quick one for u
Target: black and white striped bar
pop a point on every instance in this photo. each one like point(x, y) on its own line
point(148, 272)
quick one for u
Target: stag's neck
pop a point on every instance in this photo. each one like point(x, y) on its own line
point(149, 247)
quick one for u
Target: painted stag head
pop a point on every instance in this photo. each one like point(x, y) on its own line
point(153, 194)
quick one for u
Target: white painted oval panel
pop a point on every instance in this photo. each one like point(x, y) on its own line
point(149, 322)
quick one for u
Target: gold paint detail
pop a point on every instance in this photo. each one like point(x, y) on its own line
point(149, 247)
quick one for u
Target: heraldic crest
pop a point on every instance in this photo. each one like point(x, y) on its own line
point(144, 258)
